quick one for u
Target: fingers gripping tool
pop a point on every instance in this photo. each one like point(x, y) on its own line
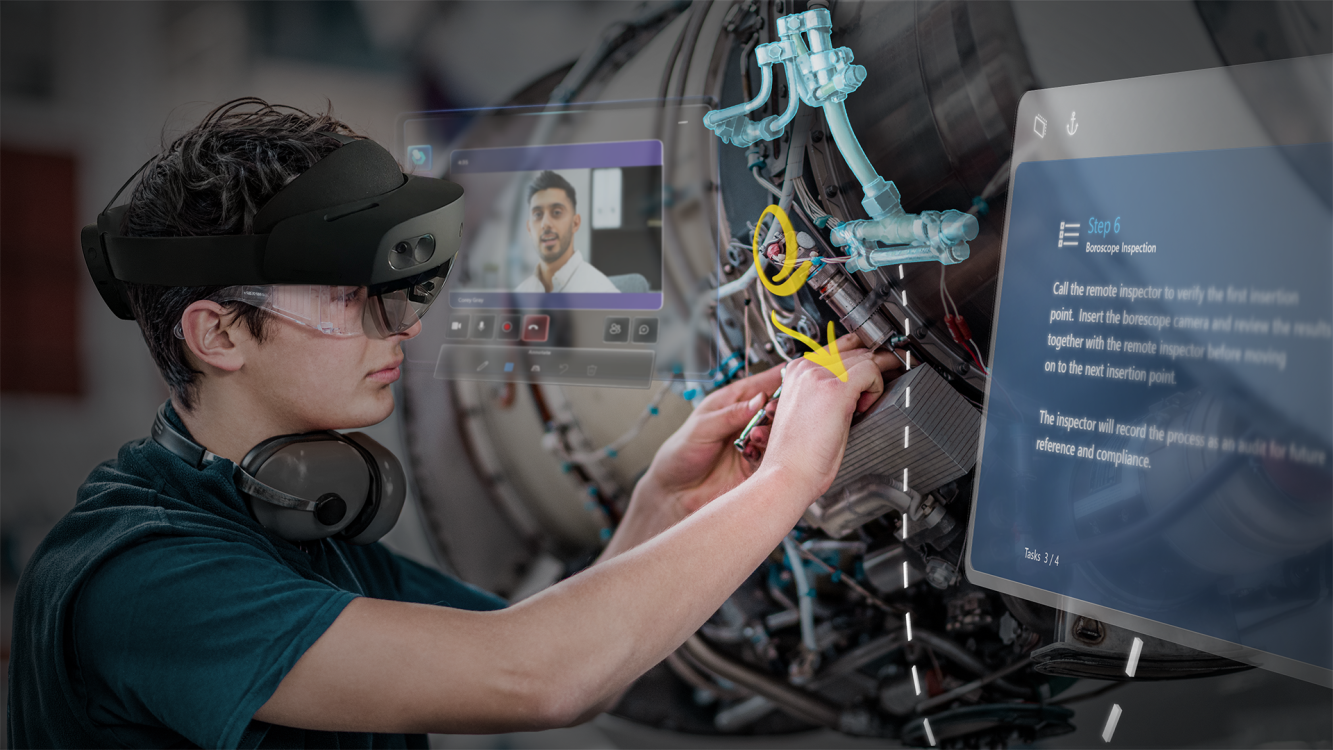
point(759, 418)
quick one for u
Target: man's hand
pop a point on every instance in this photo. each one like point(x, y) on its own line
point(698, 462)
point(809, 433)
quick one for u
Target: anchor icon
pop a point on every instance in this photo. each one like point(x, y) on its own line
point(1072, 127)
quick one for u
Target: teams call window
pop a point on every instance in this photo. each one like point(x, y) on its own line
point(561, 274)
point(575, 234)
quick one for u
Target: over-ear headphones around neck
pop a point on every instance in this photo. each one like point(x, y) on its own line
point(309, 486)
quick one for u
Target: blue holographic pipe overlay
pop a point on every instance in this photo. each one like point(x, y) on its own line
point(823, 76)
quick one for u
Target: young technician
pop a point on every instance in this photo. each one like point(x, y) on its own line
point(553, 220)
point(215, 584)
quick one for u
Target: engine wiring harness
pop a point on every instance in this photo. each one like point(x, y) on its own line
point(832, 576)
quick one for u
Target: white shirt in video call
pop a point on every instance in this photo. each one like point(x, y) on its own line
point(574, 276)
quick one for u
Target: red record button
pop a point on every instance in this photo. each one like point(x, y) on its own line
point(508, 327)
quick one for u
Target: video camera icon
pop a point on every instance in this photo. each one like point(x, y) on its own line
point(459, 327)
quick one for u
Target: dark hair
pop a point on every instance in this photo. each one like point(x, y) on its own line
point(212, 181)
point(547, 180)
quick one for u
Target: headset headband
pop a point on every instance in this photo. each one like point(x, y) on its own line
point(337, 223)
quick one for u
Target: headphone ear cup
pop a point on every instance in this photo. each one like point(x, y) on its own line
point(315, 466)
point(392, 481)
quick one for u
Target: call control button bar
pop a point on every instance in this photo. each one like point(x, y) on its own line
point(621, 368)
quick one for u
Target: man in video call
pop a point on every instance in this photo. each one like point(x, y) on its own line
point(553, 219)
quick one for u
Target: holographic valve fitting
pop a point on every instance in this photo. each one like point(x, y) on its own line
point(823, 76)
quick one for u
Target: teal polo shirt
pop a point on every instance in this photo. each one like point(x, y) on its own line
point(158, 613)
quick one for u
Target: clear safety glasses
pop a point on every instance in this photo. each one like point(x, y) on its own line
point(345, 310)
point(334, 310)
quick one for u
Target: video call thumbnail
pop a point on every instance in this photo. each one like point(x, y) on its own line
point(574, 227)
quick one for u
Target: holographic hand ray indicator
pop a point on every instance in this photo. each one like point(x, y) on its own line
point(822, 76)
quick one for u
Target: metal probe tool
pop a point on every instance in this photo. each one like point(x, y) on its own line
point(759, 418)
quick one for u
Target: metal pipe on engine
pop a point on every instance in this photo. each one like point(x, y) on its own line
point(800, 703)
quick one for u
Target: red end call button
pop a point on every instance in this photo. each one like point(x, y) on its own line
point(536, 327)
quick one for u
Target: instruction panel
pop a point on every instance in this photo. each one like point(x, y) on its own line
point(1160, 412)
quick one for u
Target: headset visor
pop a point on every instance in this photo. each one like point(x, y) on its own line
point(394, 308)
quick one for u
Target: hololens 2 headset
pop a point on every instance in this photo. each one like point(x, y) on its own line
point(351, 219)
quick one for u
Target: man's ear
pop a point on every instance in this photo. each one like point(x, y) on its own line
point(578, 219)
point(210, 333)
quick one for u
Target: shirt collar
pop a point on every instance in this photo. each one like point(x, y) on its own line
point(566, 272)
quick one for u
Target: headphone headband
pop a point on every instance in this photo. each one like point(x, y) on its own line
point(184, 448)
point(198, 457)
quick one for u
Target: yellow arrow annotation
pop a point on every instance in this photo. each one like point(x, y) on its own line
point(796, 280)
point(828, 358)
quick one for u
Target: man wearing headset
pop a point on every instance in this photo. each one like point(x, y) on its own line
point(189, 599)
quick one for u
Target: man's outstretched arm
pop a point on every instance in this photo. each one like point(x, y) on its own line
point(395, 667)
